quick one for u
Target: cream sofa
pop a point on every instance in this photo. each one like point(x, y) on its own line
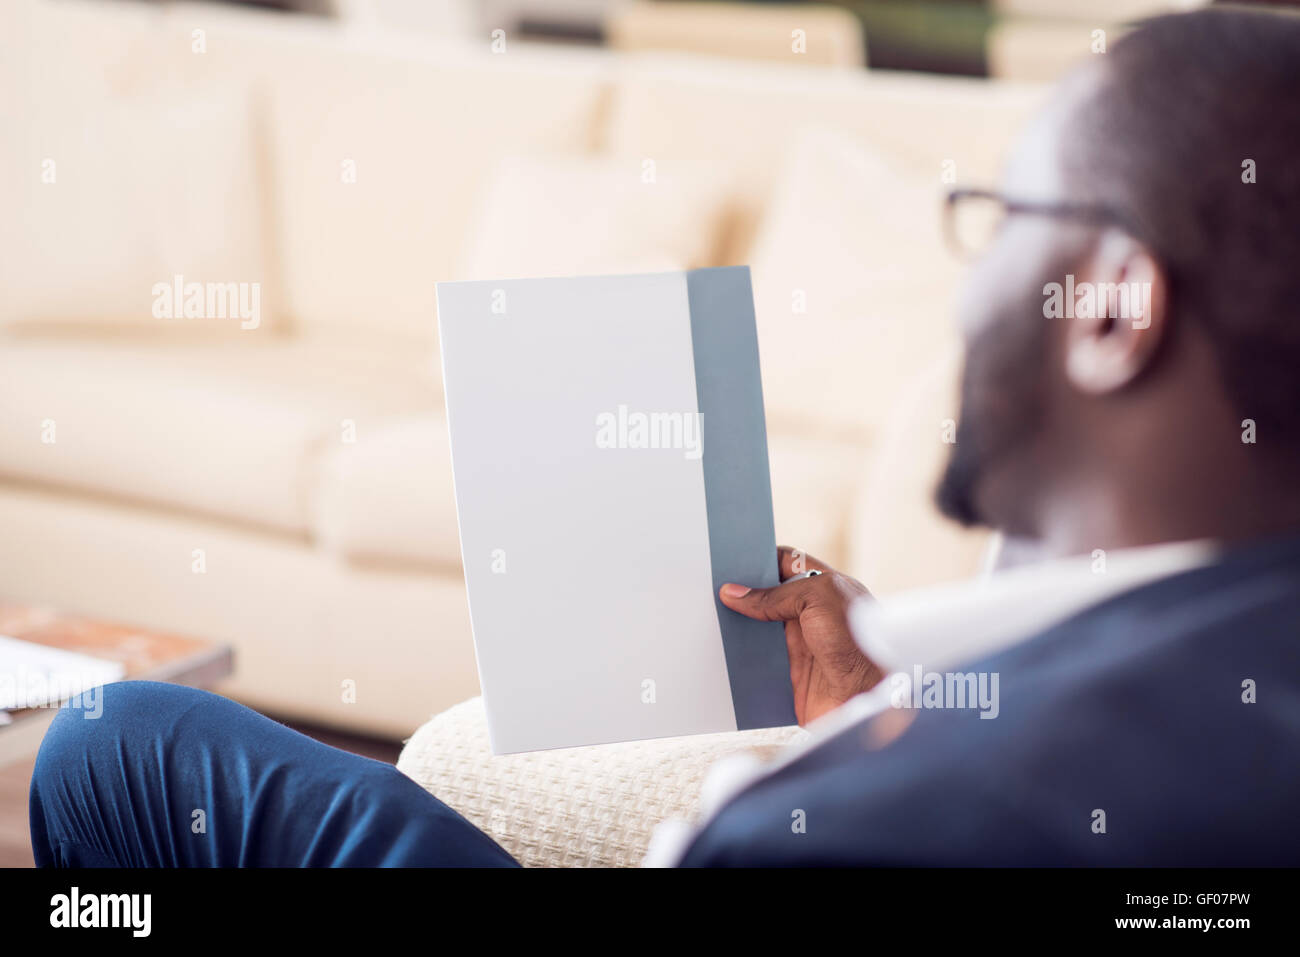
point(285, 488)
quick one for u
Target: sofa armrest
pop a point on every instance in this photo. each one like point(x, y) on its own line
point(575, 807)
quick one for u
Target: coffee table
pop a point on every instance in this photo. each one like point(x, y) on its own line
point(148, 655)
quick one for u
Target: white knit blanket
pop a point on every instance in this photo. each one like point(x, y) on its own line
point(576, 807)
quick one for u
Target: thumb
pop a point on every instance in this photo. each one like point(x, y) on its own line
point(781, 603)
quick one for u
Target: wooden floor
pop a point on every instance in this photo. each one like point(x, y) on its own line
point(15, 843)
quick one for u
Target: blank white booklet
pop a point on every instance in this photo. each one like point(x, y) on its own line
point(610, 460)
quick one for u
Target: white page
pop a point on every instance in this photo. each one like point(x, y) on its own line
point(37, 676)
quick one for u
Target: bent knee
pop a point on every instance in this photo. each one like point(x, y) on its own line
point(110, 712)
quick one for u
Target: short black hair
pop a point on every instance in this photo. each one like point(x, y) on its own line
point(1189, 108)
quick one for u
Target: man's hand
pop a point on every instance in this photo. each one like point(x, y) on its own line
point(826, 666)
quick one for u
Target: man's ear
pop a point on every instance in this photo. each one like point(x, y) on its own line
point(1120, 315)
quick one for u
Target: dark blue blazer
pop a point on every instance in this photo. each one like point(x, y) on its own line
point(1133, 707)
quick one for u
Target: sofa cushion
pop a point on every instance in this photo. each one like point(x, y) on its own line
point(572, 807)
point(677, 107)
point(388, 496)
point(852, 286)
point(814, 485)
point(123, 181)
point(380, 153)
point(898, 539)
point(233, 428)
point(577, 215)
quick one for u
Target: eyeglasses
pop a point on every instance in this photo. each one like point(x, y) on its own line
point(973, 217)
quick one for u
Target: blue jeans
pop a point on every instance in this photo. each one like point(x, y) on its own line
point(169, 776)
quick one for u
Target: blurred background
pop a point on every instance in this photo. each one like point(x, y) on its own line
point(283, 484)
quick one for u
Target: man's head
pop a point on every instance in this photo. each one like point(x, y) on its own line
point(1168, 167)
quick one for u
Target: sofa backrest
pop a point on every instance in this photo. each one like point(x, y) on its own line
point(373, 153)
point(117, 172)
point(379, 159)
point(361, 156)
point(747, 115)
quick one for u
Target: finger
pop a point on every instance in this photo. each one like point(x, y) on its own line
point(783, 603)
point(787, 558)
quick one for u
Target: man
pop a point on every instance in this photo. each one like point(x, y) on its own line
point(1130, 397)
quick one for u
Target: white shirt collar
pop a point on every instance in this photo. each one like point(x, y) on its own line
point(944, 625)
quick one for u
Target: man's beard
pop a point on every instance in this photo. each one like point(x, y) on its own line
point(1002, 393)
